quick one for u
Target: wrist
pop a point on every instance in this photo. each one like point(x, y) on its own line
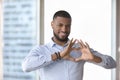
point(97, 59)
point(62, 54)
point(56, 56)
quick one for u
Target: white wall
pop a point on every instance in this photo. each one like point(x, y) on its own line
point(91, 23)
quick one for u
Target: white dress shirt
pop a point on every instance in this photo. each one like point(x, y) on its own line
point(40, 59)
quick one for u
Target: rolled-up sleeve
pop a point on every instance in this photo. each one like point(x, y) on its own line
point(107, 61)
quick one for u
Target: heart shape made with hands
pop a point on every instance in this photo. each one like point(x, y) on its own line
point(77, 45)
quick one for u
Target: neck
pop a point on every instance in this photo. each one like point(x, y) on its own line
point(59, 42)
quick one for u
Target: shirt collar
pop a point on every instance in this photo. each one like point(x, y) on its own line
point(52, 43)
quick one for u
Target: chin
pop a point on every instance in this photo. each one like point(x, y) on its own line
point(63, 39)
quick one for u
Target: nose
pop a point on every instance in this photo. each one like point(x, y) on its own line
point(64, 28)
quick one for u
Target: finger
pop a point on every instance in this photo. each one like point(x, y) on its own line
point(72, 42)
point(84, 44)
point(76, 48)
point(81, 44)
point(78, 59)
point(87, 45)
point(71, 58)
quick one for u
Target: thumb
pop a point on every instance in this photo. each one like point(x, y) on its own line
point(71, 58)
point(78, 59)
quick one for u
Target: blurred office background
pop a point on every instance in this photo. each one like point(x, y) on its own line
point(26, 23)
point(19, 35)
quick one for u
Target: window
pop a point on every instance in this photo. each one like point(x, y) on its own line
point(20, 25)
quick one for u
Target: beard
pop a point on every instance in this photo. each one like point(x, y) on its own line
point(61, 39)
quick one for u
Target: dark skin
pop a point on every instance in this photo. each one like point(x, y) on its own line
point(61, 28)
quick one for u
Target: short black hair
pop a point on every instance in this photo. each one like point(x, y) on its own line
point(62, 13)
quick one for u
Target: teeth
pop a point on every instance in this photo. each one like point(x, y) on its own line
point(63, 33)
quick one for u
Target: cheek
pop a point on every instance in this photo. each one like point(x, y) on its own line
point(68, 30)
point(56, 31)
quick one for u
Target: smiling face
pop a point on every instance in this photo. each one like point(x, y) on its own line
point(61, 28)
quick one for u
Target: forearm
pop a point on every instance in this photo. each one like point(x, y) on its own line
point(108, 62)
point(96, 59)
point(33, 63)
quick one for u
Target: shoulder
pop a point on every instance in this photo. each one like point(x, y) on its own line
point(41, 47)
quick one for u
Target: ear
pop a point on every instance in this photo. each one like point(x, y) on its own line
point(52, 24)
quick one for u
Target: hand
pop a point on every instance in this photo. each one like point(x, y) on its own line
point(86, 53)
point(65, 54)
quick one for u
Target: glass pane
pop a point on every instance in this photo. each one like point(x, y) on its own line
point(19, 36)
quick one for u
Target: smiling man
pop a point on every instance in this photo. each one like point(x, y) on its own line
point(62, 58)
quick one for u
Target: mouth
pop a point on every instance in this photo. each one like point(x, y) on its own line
point(63, 34)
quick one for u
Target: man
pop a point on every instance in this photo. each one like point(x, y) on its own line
point(62, 58)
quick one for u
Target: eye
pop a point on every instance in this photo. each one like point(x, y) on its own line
point(60, 25)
